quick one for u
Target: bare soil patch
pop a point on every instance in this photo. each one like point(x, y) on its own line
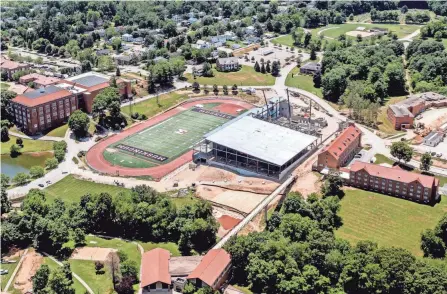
point(31, 263)
point(92, 253)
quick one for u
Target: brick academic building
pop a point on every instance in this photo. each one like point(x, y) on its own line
point(49, 107)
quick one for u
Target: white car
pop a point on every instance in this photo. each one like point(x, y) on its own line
point(3, 272)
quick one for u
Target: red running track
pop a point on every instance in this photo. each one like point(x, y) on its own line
point(96, 160)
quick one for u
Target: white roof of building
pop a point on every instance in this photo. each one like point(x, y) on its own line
point(261, 139)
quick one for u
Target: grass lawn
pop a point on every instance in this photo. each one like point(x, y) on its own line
point(150, 107)
point(10, 267)
point(59, 131)
point(304, 82)
point(66, 191)
point(86, 270)
point(79, 289)
point(170, 246)
point(400, 30)
point(285, 40)
point(246, 76)
point(383, 121)
point(4, 86)
point(28, 145)
point(387, 220)
point(380, 158)
point(129, 248)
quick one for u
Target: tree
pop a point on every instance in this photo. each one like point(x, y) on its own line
point(51, 163)
point(79, 123)
point(99, 266)
point(207, 70)
point(118, 72)
point(234, 88)
point(402, 151)
point(317, 80)
point(263, 68)
point(5, 203)
point(58, 283)
point(313, 54)
point(125, 286)
point(256, 67)
point(275, 68)
point(20, 179)
point(215, 89)
point(4, 134)
point(225, 89)
point(107, 99)
point(332, 185)
point(196, 86)
point(79, 236)
point(59, 155)
point(40, 279)
point(37, 172)
point(432, 245)
point(14, 150)
point(66, 269)
point(19, 141)
point(268, 68)
point(426, 161)
point(129, 269)
point(404, 9)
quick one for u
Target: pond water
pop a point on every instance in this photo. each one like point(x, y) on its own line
point(22, 163)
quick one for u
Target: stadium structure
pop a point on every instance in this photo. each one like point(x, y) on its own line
point(267, 142)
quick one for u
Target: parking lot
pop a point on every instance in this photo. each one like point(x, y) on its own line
point(278, 54)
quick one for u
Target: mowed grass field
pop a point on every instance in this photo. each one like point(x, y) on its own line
point(304, 82)
point(337, 30)
point(150, 107)
point(246, 76)
point(285, 40)
point(387, 220)
point(70, 189)
point(170, 138)
point(28, 145)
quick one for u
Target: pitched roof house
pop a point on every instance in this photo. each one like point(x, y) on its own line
point(155, 277)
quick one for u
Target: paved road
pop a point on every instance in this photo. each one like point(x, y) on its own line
point(42, 138)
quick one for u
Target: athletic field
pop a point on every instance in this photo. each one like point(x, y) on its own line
point(167, 140)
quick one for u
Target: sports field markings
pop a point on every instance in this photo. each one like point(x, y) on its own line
point(142, 132)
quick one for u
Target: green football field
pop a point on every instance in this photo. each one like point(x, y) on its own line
point(165, 141)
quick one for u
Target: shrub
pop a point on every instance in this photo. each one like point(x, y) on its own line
point(37, 171)
point(51, 163)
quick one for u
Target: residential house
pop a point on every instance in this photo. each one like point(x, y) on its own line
point(201, 44)
point(227, 64)
point(235, 46)
point(341, 150)
point(138, 40)
point(155, 276)
point(249, 30)
point(123, 59)
point(127, 37)
point(102, 52)
point(252, 40)
point(191, 20)
point(213, 270)
point(394, 181)
point(310, 68)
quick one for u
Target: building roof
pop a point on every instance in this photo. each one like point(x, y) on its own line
point(211, 267)
point(42, 95)
point(433, 137)
point(39, 79)
point(342, 142)
point(155, 267)
point(228, 60)
point(9, 64)
point(312, 66)
point(400, 111)
point(89, 79)
point(395, 174)
point(261, 139)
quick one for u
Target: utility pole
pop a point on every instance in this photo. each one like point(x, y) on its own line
point(266, 104)
point(290, 107)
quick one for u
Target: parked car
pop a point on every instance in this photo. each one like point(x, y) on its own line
point(358, 156)
point(41, 185)
point(439, 155)
point(48, 182)
point(3, 272)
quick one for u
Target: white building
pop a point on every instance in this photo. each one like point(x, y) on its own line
point(201, 44)
point(433, 139)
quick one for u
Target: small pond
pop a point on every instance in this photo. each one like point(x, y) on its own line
point(22, 163)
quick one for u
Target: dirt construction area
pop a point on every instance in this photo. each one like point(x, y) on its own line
point(31, 263)
point(92, 253)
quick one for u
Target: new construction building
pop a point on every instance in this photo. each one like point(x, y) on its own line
point(402, 114)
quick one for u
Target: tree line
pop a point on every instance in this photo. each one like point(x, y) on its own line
point(141, 214)
point(298, 253)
